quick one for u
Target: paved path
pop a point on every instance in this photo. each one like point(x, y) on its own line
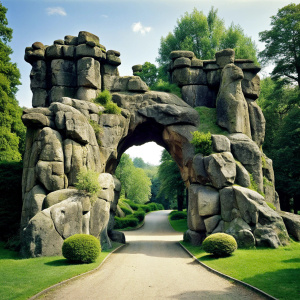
point(151, 266)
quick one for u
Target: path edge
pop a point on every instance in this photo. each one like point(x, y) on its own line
point(75, 277)
point(247, 285)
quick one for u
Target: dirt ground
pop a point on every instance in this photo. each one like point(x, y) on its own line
point(151, 266)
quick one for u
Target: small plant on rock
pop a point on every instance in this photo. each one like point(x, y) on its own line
point(219, 244)
point(87, 181)
point(82, 248)
point(202, 142)
point(105, 99)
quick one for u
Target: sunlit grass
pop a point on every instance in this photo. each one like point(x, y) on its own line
point(23, 278)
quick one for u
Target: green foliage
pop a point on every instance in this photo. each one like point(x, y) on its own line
point(140, 215)
point(267, 182)
point(87, 181)
point(178, 215)
point(82, 248)
point(97, 129)
point(202, 142)
point(129, 221)
point(12, 130)
point(172, 185)
point(208, 120)
point(152, 206)
point(148, 74)
point(125, 209)
point(205, 36)
point(282, 43)
point(136, 185)
point(145, 208)
point(160, 206)
point(271, 205)
point(10, 199)
point(133, 205)
point(219, 244)
point(253, 186)
point(164, 86)
point(105, 99)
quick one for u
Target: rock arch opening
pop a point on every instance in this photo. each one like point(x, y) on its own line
point(67, 132)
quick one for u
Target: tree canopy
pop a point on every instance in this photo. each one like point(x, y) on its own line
point(12, 130)
point(282, 43)
point(205, 36)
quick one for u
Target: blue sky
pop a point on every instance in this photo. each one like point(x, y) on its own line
point(132, 27)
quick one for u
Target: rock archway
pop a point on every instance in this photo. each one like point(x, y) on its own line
point(67, 132)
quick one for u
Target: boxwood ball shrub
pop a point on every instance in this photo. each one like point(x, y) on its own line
point(83, 248)
point(219, 244)
point(178, 215)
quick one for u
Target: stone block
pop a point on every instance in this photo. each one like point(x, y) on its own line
point(193, 237)
point(85, 93)
point(113, 60)
point(136, 84)
point(220, 143)
point(63, 73)
point(84, 37)
point(39, 97)
point(181, 62)
point(88, 71)
point(84, 50)
point(71, 40)
point(57, 92)
point(225, 57)
point(38, 75)
point(54, 52)
point(181, 53)
point(199, 95)
point(251, 85)
point(189, 76)
point(68, 51)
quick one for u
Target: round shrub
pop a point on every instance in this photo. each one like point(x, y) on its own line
point(178, 215)
point(130, 221)
point(152, 206)
point(219, 244)
point(139, 214)
point(83, 248)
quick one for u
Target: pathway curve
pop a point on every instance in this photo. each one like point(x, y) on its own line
point(151, 266)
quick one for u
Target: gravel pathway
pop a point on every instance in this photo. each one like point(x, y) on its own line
point(151, 266)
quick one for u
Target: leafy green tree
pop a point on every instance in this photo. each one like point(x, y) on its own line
point(280, 104)
point(12, 131)
point(282, 43)
point(149, 73)
point(205, 36)
point(136, 185)
point(170, 178)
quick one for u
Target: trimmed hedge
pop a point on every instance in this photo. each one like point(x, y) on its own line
point(219, 244)
point(140, 215)
point(133, 205)
point(129, 221)
point(178, 215)
point(82, 248)
point(125, 210)
point(152, 206)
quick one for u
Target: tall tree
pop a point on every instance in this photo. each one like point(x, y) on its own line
point(205, 36)
point(280, 104)
point(11, 127)
point(282, 43)
point(170, 178)
point(136, 185)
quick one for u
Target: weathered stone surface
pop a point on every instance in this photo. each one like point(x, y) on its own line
point(180, 53)
point(38, 45)
point(58, 196)
point(71, 40)
point(137, 68)
point(109, 70)
point(195, 221)
point(181, 62)
point(57, 92)
point(107, 184)
point(32, 55)
point(113, 60)
point(245, 239)
point(84, 50)
point(267, 166)
point(189, 76)
point(39, 97)
point(199, 95)
point(232, 108)
point(59, 42)
point(193, 237)
point(32, 204)
point(242, 176)
point(225, 57)
point(251, 85)
point(35, 120)
point(220, 143)
point(235, 226)
point(63, 73)
point(247, 152)
point(211, 223)
point(292, 223)
point(38, 75)
point(228, 204)
point(257, 123)
point(199, 169)
point(196, 63)
point(85, 93)
point(117, 236)
point(221, 169)
point(54, 52)
point(84, 37)
point(136, 84)
point(40, 237)
point(266, 237)
point(99, 217)
point(88, 70)
point(166, 114)
point(214, 78)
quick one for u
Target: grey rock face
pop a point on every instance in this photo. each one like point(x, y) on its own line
point(193, 237)
point(221, 169)
point(292, 223)
point(199, 95)
point(220, 143)
point(242, 175)
point(232, 109)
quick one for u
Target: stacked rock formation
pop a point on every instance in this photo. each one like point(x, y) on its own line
point(61, 140)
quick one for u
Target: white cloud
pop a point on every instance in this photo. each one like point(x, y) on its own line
point(138, 27)
point(104, 16)
point(56, 11)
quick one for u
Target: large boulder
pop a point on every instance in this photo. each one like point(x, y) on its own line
point(292, 223)
point(232, 108)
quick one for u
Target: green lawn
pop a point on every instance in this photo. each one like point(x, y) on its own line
point(23, 278)
point(275, 271)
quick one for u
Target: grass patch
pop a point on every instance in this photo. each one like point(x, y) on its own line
point(208, 121)
point(178, 225)
point(23, 278)
point(275, 271)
